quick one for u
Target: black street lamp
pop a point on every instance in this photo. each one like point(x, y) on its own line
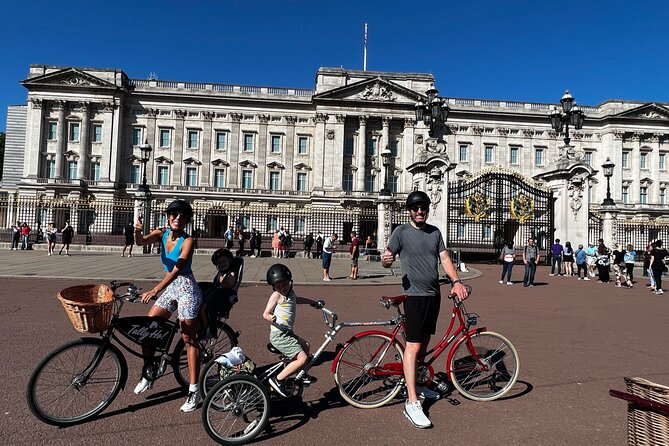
point(570, 114)
point(144, 191)
point(607, 167)
point(145, 150)
point(387, 156)
point(434, 112)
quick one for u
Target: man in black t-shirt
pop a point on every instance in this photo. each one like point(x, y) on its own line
point(657, 257)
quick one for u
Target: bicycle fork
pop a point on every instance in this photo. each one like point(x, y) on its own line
point(80, 380)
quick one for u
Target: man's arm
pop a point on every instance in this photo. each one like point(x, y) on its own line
point(449, 268)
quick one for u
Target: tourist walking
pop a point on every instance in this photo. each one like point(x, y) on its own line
point(328, 249)
point(630, 257)
point(591, 258)
point(568, 258)
point(229, 237)
point(646, 261)
point(319, 245)
point(287, 244)
point(354, 250)
point(508, 257)
point(50, 234)
point(16, 236)
point(581, 258)
point(556, 258)
point(129, 233)
point(275, 244)
point(603, 263)
point(308, 244)
point(25, 234)
point(657, 265)
point(530, 259)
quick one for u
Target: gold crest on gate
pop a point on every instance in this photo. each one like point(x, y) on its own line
point(477, 206)
point(522, 208)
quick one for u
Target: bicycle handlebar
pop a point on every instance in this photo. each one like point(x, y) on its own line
point(320, 305)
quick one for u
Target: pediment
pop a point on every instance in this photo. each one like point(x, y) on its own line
point(68, 77)
point(248, 163)
point(192, 161)
point(275, 165)
point(220, 162)
point(163, 160)
point(302, 166)
point(647, 111)
point(375, 89)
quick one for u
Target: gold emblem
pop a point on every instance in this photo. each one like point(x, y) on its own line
point(522, 208)
point(477, 205)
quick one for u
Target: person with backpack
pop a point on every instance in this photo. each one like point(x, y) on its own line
point(530, 259)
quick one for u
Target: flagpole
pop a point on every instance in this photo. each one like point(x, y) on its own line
point(364, 61)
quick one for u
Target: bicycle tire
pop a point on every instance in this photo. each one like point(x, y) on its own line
point(497, 353)
point(209, 376)
point(55, 396)
point(356, 385)
point(226, 338)
point(236, 410)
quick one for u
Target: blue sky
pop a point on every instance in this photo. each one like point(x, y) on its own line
point(514, 50)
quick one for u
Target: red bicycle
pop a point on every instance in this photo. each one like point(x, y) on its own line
point(482, 365)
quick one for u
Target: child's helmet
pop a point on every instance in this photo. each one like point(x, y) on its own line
point(278, 272)
point(221, 252)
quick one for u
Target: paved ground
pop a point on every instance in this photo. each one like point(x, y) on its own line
point(576, 341)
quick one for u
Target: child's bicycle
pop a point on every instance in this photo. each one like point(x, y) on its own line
point(482, 365)
point(80, 379)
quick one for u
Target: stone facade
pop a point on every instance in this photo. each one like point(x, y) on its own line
point(285, 148)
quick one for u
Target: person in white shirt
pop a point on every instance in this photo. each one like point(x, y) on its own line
point(328, 249)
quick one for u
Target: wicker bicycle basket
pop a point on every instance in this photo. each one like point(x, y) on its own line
point(646, 426)
point(89, 307)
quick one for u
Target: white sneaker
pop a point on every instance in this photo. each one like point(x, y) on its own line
point(659, 292)
point(509, 283)
point(192, 400)
point(586, 278)
point(427, 393)
point(414, 412)
point(501, 281)
point(143, 386)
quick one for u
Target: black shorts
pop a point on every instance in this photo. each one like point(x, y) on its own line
point(421, 314)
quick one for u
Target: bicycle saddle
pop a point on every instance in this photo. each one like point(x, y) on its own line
point(273, 349)
point(394, 300)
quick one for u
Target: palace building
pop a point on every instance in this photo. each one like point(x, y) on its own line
point(95, 147)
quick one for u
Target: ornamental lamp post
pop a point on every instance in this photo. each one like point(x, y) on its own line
point(434, 111)
point(387, 157)
point(570, 114)
point(607, 167)
point(145, 193)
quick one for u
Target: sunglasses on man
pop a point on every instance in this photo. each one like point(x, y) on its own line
point(420, 207)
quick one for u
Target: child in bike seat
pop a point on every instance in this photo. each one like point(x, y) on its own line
point(220, 295)
point(280, 313)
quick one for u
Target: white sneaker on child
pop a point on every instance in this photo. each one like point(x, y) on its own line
point(192, 400)
point(143, 385)
point(414, 412)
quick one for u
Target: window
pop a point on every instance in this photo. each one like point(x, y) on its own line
point(72, 170)
point(97, 133)
point(514, 155)
point(300, 225)
point(587, 158)
point(302, 181)
point(625, 160)
point(193, 139)
point(464, 155)
point(276, 144)
point(626, 194)
point(487, 232)
point(221, 138)
point(248, 142)
point(661, 160)
point(52, 132)
point(370, 183)
point(662, 196)
point(164, 137)
point(95, 171)
point(74, 131)
point(347, 182)
point(643, 158)
point(136, 136)
point(272, 223)
point(50, 168)
point(274, 180)
point(489, 159)
point(539, 157)
point(348, 146)
point(392, 183)
point(302, 145)
point(643, 195)
point(460, 230)
point(245, 221)
point(163, 178)
point(393, 147)
point(191, 176)
point(219, 177)
point(371, 147)
point(247, 179)
point(134, 173)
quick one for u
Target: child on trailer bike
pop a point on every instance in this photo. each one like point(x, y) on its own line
point(280, 313)
point(179, 290)
point(420, 247)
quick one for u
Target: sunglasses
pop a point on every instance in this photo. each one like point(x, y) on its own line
point(175, 214)
point(420, 207)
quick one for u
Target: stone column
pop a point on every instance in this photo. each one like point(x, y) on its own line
point(62, 137)
point(84, 142)
point(289, 156)
point(234, 150)
point(114, 157)
point(385, 224)
point(360, 154)
point(206, 149)
point(407, 156)
point(35, 140)
point(261, 180)
point(319, 151)
point(609, 220)
point(178, 151)
point(152, 140)
point(337, 165)
point(384, 144)
point(634, 163)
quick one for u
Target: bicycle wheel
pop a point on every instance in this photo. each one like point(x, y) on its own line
point(492, 375)
point(236, 410)
point(226, 339)
point(354, 371)
point(209, 376)
point(59, 394)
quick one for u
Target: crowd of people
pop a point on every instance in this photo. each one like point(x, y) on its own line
point(21, 237)
point(587, 263)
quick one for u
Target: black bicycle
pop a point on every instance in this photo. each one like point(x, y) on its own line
point(80, 379)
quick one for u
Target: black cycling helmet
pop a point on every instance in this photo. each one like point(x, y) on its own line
point(221, 252)
point(277, 273)
point(180, 206)
point(417, 197)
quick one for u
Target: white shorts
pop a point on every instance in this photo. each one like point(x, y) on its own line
point(184, 295)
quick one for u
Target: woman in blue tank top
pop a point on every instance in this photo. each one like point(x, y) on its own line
point(178, 290)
